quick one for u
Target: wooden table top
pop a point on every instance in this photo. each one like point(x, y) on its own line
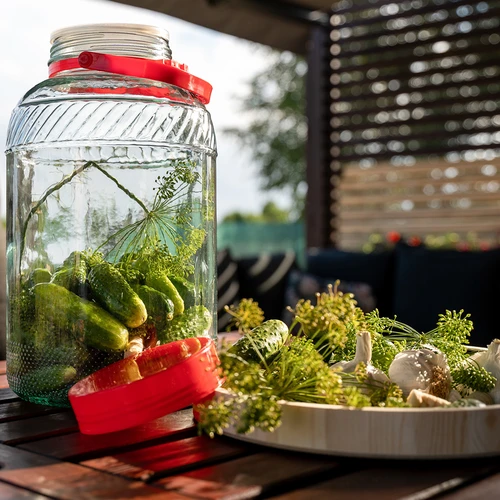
point(42, 455)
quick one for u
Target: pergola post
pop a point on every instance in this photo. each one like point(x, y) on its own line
point(319, 215)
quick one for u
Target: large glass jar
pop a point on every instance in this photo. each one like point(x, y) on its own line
point(111, 211)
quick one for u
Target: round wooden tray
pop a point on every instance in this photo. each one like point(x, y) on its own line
point(410, 433)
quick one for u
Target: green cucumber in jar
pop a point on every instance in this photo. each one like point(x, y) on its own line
point(186, 290)
point(39, 275)
point(59, 310)
point(160, 308)
point(111, 290)
point(48, 378)
point(73, 278)
point(194, 322)
point(263, 342)
point(160, 281)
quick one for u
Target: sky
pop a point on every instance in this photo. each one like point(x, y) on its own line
point(226, 62)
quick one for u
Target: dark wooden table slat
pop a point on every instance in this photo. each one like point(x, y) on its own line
point(17, 410)
point(10, 492)
point(7, 394)
point(30, 429)
point(416, 481)
point(487, 488)
point(68, 481)
point(170, 458)
point(77, 446)
point(251, 476)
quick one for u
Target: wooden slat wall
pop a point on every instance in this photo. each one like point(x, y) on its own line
point(416, 118)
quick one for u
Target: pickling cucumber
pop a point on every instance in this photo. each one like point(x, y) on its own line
point(59, 310)
point(39, 275)
point(48, 378)
point(73, 278)
point(185, 288)
point(195, 322)
point(262, 342)
point(159, 281)
point(160, 308)
point(110, 289)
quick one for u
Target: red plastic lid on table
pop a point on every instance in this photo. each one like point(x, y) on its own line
point(147, 386)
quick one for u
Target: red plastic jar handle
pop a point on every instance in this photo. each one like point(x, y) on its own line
point(163, 71)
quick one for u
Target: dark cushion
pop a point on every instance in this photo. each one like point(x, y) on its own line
point(264, 279)
point(428, 282)
point(374, 269)
point(227, 286)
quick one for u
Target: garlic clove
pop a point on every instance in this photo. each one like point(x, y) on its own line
point(421, 399)
point(363, 353)
point(375, 377)
point(421, 369)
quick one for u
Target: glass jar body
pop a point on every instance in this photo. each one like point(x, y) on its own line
point(111, 227)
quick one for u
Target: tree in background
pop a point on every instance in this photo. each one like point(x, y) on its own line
point(270, 213)
point(277, 129)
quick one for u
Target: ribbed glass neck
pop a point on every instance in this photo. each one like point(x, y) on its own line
point(133, 40)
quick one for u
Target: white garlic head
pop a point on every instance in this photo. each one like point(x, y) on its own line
point(421, 369)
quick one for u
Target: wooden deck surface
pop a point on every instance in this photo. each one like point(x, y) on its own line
point(43, 455)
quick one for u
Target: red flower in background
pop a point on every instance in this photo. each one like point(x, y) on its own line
point(393, 237)
point(462, 246)
point(414, 241)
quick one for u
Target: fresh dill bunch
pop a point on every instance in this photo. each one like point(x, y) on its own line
point(469, 376)
point(297, 373)
point(328, 321)
point(450, 335)
point(183, 172)
point(246, 315)
point(354, 397)
point(250, 404)
point(156, 256)
point(346, 351)
point(394, 329)
point(384, 351)
point(168, 220)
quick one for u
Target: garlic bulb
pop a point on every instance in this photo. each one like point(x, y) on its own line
point(421, 399)
point(421, 369)
point(363, 355)
point(490, 361)
point(484, 397)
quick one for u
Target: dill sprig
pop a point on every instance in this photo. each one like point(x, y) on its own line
point(375, 392)
point(246, 315)
point(469, 376)
point(329, 321)
point(167, 224)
